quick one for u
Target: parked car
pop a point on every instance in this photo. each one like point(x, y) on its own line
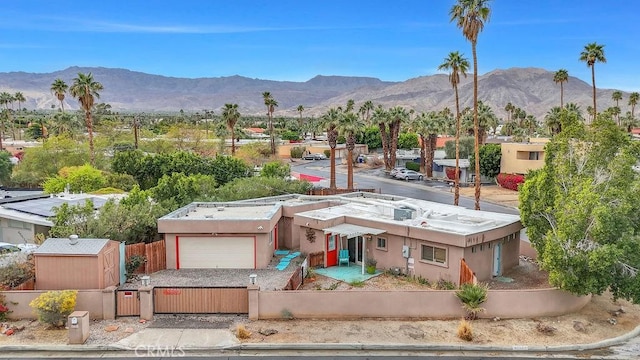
point(316, 156)
point(397, 170)
point(7, 248)
point(409, 175)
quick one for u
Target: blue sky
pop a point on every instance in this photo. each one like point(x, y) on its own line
point(296, 40)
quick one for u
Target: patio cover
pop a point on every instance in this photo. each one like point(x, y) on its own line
point(350, 230)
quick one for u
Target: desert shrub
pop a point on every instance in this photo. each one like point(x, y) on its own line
point(327, 153)
point(133, 263)
point(125, 182)
point(412, 166)
point(510, 181)
point(4, 310)
point(275, 169)
point(333, 286)
point(16, 273)
point(357, 283)
point(545, 329)
point(108, 190)
point(297, 152)
point(242, 332)
point(443, 284)
point(286, 314)
point(53, 307)
point(472, 296)
point(465, 332)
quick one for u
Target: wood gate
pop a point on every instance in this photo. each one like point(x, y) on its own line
point(127, 303)
point(200, 300)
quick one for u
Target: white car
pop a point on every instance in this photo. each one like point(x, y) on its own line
point(397, 170)
point(15, 253)
point(316, 156)
point(409, 175)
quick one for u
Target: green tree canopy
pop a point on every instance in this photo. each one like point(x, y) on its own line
point(177, 190)
point(466, 148)
point(80, 179)
point(582, 213)
point(275, 169)
point(249, 188)
point(6, 166)
point(408, 140)
point(490, 156)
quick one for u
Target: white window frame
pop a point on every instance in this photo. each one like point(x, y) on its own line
point(385, 248)
point(433, 260)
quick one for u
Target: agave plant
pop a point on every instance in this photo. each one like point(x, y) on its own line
point(472, 296)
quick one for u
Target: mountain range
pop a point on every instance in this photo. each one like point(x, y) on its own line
point(531, 89)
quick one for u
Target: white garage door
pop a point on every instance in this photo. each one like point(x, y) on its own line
point(216, 252)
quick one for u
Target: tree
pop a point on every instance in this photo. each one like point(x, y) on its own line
point(5, 99)
point(80, 179)
point(633, 101)
point(177, 190)
point(349, 125)
point(271, 104)
point(592, 54)
point(6, 167)
point(255, 187)
point(581, 211)
point(617, 96)
point(275, 169)
point(490, 156)
point(559, 77)
point(457, 65)
point(300, 110)
point(19, 97)
point(85, 89)
point(470, 16)
point(381, 119)
point(329, 122)
point(59, 89)
point(397, 116)
point(231, 115)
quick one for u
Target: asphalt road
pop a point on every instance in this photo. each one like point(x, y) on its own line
point(375, 179)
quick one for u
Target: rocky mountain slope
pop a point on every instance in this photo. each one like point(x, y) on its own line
point(531, 89)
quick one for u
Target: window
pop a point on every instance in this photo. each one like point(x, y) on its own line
point(382, 243)
point(271, 238)
point(434, 254)
point(473, 249)
point(534, 155)
point(19, 224)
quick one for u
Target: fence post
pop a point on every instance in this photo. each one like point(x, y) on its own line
point(109, 303)
point(254, 306)
point(146, 302)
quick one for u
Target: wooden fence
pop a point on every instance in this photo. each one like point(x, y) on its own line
point(466, 274)
point(127, 303)
point(295, 280)
point(154, 253)
point(200, 300)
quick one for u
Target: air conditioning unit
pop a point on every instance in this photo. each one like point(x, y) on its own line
point(404, 213)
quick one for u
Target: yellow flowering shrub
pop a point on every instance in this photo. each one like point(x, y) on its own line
point(53, 307)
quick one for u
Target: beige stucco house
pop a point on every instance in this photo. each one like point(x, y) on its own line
point(519, 158)
point(411, 236)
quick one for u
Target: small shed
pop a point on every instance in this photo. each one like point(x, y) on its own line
point(73, 263)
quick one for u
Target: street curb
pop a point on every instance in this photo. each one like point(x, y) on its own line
point(340, 346)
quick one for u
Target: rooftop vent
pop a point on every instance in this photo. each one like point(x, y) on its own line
point(403, 213)
point(73, 239)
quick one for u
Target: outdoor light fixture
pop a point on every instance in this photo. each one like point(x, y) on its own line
point(253, 278)
point(260, 227)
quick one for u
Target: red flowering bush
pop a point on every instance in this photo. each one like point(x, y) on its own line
point(4, 310)
point(510, 181)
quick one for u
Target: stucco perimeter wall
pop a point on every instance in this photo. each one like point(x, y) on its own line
point(99, 303)
point(410, 304)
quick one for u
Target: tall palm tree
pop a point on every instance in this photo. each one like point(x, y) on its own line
point(509, 109)
point(367, 107)
point(633, 101)
point(271, 104)
point(86, 90)
point(231, 115)
point(559, 77)
point(553, 120)
point(19, 97)
point(5, 99)
point(380, 118)
point(329, 122)
point(617, 96)
point(457, 65)
point(59, 89)
point(470, 16)
point(397, 116)
point(592, 54)
point(300, 110)
point(349, 126)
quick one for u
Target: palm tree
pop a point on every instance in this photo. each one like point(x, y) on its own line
point(457, 65)
point(85, 89)
point(553, 120)
point(271, 104)
point(59, 89)
point(592, 54)
point(329, 122)
point(231, 115)
point(397, 116)
point(559, 77)
point(349, 125)
point(19, 97)
point(5, 99)
point(300, 110)
point(470, 16)
point(380, 117)
point(633, 101)
point(617, 96)
point(509, 109)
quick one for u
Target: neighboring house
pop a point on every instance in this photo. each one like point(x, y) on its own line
point(441, 166)
point(413, 236)
point(23, 217)
point(256, 133)
point(520, 158)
